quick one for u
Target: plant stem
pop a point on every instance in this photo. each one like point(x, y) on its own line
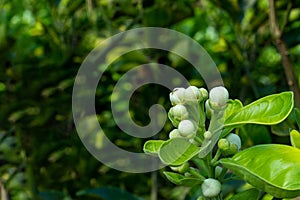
point(154, 186)
point(216, 157)
point(284, 53)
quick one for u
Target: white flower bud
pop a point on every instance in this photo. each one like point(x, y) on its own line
point(175, 134)
point(211, 187)
point(179, 112)
point(218, 96)
point(234, 139)
point(186, 128)
point(192, 94)
point(177, 96)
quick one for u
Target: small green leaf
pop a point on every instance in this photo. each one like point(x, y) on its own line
point(251, 194)
point(295, 138)
point(177, 151)
point(152, 146)
point(179, 179)
point(273, 168)
point(268, 110)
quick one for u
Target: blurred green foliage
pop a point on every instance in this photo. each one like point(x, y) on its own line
point(43, 43)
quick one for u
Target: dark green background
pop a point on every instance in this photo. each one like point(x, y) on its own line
point(42, 45)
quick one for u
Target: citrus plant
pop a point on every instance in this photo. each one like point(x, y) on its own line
point(203, 151)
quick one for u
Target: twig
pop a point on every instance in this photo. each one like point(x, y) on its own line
point(284, 53)
point(154, 185)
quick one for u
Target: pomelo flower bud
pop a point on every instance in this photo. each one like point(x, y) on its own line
point(187, 129)
point(218, 97)
point(175, 134)
point(208, 109)
point(177, 96)
point(211, 187)
point(234, 139)
point(192, 94)
point(204, 93)
point(223, 144)
point(231, 145)
point(207, 134)
point(179, 112)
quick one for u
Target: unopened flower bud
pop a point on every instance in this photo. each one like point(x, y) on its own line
point(179, 112)
point(211, 187)
point(192, 94)
point(177, 96)
point(218, 97)
point(187, 129)
point(234, 139)
point(207, 135)
point(230, 145)
point(175, 134)
point(204, 93)
point(223, 144)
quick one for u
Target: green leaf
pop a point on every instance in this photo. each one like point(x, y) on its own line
point(152, 146)
point(273, 168)
point(108, 193)
point(232, 106)
point(177, 151)
point(179, 179)
point(268, 110)
point(295, 138)
point(251, 194)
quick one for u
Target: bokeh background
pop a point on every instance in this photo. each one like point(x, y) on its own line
point(43, 43)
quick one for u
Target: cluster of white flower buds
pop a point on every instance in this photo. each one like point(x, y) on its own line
point(189, 95)
point(182, 99)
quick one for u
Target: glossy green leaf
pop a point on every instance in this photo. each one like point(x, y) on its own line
point(152, 146)
point(295, 138)
point(179, 179)
point(273, 168)
point(232, 106)
point(251, 194)
point(284, 128)
point(268, 110)
point(177, 151)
